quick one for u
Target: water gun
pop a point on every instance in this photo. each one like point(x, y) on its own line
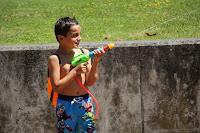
point(81, 58)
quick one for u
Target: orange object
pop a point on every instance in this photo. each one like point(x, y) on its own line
point(53, 96)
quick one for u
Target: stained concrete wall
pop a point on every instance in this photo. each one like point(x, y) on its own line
point(170, 85)
point(143, 87)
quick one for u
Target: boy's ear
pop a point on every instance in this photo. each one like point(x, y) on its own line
point(60, 37)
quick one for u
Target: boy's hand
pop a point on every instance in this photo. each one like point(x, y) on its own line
point(98, 54)
point(82, 68)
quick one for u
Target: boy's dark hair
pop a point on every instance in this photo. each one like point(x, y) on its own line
point(63, 25)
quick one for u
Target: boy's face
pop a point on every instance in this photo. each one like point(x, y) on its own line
point(73, 37)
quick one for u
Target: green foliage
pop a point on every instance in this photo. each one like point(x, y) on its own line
point(32, 22)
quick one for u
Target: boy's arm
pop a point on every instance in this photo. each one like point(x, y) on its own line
point(54, 72)
point(92, 75)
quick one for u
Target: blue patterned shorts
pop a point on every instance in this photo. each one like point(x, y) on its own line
point(75, 114)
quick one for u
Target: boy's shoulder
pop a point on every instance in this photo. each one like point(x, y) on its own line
point(55, 57)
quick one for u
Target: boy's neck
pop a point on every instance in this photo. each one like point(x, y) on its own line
point(64, 50)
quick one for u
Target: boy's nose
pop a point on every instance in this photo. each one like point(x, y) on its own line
point(79, 38)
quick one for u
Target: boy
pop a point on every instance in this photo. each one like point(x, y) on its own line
point(73, 101)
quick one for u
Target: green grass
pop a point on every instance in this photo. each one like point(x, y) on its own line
point(32, 22)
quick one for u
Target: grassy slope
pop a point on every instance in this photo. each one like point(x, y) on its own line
point(32, 22)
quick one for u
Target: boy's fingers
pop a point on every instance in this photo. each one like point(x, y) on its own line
point(98, 51)
point(84, 69)
point(102, 51)
point(85, 63)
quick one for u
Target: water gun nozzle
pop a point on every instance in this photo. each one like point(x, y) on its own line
point(111, 45)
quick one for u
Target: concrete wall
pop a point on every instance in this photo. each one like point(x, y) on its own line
point(143, 87)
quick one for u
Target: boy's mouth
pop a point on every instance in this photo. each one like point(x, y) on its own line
point(77, 44)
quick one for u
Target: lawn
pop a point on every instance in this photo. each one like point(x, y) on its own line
point(32, 22)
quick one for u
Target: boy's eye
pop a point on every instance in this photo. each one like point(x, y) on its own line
point(76, 35)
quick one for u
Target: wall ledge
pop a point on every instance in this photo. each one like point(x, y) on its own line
point(53, 46)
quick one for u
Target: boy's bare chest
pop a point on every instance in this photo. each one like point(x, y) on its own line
point(65, 64)
point(64, 69)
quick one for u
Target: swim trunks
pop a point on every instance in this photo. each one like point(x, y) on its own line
point(75, 114)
